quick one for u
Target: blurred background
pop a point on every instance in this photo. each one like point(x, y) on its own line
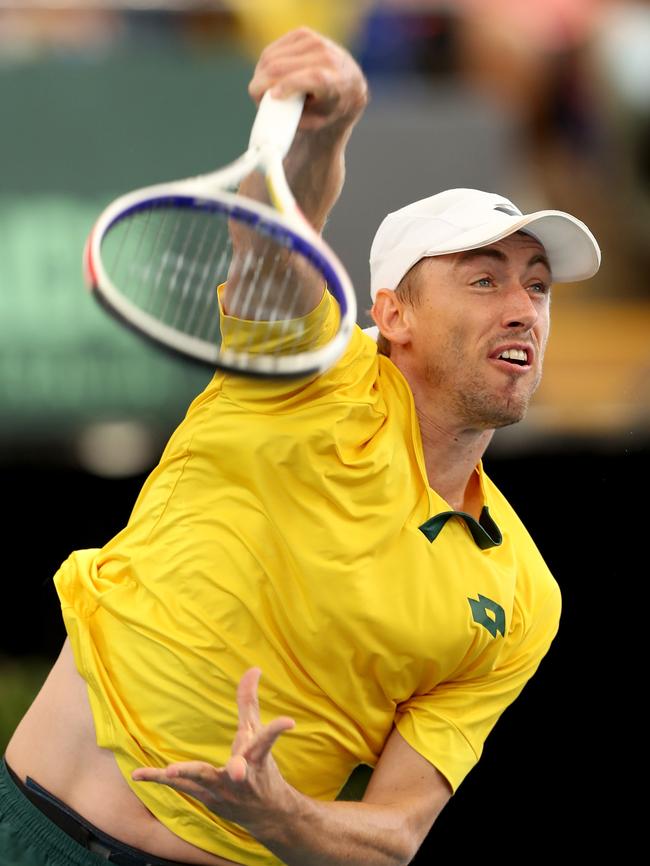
point(544, 101)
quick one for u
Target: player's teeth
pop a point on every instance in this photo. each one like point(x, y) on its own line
point(514, 354)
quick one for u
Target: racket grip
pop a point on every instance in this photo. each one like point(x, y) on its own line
point(276, 123)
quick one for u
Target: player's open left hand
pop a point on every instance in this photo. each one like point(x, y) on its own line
point(250, 783)
point(303, 61)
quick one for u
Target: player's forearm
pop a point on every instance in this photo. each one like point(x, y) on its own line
point(307, 832)
point(315, 170)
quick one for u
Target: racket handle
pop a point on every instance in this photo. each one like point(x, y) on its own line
point(276, 123)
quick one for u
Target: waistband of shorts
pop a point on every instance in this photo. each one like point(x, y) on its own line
point(16, 809)
point(16, 806)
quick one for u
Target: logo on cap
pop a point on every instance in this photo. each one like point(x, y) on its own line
point(508, 208)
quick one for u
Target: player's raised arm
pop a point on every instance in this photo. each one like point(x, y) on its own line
point(303, 62)
point(336, 94)
point(156, 255)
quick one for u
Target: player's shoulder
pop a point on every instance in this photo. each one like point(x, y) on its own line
point(352, 378)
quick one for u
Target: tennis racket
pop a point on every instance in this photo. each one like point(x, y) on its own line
point(155, 257)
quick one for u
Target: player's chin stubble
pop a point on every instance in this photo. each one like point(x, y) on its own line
point(482, 408)
point(490, 410)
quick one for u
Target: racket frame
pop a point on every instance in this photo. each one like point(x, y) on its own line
point(271, 137)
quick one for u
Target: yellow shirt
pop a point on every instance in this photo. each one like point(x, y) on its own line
point(290, 525)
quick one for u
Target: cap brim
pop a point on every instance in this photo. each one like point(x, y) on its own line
point(572, 250)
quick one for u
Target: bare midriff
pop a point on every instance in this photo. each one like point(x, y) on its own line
point(55, 745)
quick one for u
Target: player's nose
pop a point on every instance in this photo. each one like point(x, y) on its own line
point(519, 308)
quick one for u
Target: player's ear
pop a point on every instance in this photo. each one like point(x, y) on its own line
point(390, 314)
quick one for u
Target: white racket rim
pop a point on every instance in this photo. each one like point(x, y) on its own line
point(291, 365)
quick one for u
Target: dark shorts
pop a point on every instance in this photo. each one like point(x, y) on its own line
point(29, 838)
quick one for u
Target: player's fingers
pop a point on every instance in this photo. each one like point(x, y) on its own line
point(297, 47)
point(277, 61)
point(321, 84)
point(261, 746)
point(198, 771)
point(309, 53)
point(333, 91)
point(187, 769)
point(271, 76)
point(195, 778)
point(151, 774)
point(237, 768)
point(295, 44)
point(186, 786)
point(248, 707)
point(293, 38)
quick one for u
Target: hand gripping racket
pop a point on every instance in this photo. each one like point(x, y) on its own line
point(155, 257)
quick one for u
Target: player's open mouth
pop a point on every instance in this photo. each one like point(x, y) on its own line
point(513, 356)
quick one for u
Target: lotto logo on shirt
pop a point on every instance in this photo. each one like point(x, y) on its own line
point(489, 614)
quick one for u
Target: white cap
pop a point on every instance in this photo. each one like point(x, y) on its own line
point(464, 219)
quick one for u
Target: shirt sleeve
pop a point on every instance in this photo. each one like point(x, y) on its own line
point(300, 334)
point(449, 725)
point(355, 369)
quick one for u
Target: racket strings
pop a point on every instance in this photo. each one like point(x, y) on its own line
point(192, 289)
point(269, 288)
point(168, 262)
point(203, 304)
point(172, 295)
point(165, 262)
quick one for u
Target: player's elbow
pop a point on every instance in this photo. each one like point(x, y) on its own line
point(410, 829)
point(405, 853)
point(403, 849)
point(403, 843)
point(411, 844)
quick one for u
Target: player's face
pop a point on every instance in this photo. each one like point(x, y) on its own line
point(480, 330)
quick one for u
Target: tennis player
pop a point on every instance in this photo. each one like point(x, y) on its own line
point(336, 535)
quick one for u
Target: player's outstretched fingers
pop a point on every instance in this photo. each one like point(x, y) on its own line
point(261, 746)
point(237, 768)
point(193, 777)
point(248, 706)
point(254, 740)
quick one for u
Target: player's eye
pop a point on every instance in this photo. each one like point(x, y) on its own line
point(483, 282)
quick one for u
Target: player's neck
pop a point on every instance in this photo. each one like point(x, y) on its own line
point(450, 458)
